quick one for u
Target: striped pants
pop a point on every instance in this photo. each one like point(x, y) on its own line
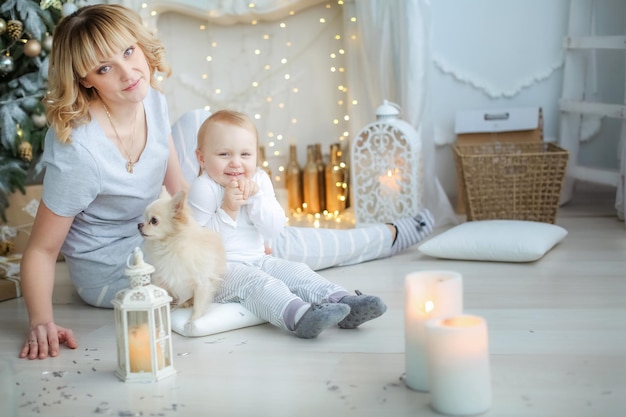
point(268, 286)
point(325, 248)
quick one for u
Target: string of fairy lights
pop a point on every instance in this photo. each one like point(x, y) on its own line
point(277, 90)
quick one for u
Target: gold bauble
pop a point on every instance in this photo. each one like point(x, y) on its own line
point(19, 132)
point(32, 48)
point(3, 26)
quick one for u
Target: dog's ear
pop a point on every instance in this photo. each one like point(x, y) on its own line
point(178, 201)
point(164, 193)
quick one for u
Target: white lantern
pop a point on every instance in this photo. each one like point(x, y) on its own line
point(387, 172)
point(142, 325)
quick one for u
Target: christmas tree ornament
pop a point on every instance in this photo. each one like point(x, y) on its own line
point(25, 151)
point(6, 64)
point(15, 29)
point(68, 8)
point(6, 247)
point(32, 48)
point(39, 120)
point(19, 132)
point(3, 26)
point(44, 4)
point(47, 42)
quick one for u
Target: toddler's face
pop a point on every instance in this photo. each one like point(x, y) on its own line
point(228, 153)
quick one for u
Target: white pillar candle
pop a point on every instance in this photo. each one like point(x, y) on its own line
point(458, 355)
point(428, 295)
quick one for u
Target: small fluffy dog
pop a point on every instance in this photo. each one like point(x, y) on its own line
point(189, 259)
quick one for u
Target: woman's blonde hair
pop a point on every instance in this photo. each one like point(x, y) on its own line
point(80, 41)
point(228, 117)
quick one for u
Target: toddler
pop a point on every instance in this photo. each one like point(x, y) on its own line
point(234, 197)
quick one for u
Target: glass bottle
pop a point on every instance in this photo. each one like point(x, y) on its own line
point(265, 166)
point(293, 180)
point(310, 182)
point(336, 181)
point(319, 161)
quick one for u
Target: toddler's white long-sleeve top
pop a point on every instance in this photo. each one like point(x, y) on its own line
point(261, 219)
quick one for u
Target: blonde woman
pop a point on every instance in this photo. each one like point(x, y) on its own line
point(107, 153)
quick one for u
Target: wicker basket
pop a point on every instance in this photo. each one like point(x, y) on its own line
point(520, 181)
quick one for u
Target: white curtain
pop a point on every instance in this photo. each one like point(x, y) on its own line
point(389, 60)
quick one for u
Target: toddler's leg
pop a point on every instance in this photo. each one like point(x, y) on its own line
point(271, 299)
point(312, 287)
point(262, 294)
point(302, 280)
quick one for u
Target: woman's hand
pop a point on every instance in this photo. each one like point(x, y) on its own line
point(44, 339)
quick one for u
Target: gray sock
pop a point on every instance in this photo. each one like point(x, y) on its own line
point(412, 230)
point(320, 317)
point(294, 311)
point(362, 308)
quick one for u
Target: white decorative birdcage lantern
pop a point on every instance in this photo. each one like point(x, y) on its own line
point(387, 179)
point(142, 325)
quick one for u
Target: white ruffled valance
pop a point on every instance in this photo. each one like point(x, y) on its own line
point(228, 12)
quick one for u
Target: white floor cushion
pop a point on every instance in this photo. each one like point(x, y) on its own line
point(495, 240)
point(218, 318)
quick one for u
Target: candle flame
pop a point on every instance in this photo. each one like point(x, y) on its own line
point(429, 306)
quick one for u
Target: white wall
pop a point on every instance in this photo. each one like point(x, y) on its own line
point(497, 54)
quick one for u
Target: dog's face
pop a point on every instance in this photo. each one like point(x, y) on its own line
point(163, 216)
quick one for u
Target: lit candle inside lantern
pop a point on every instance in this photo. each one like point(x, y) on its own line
point(428, 295)
point(390, 182)
point(139, 355)
point(458, 356)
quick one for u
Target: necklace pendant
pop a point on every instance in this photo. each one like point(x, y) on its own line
point(129, 167)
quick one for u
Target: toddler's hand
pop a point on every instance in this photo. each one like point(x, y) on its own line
point(248, 188)
point(233, 197)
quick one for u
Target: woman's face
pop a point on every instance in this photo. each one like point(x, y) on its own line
point(122, 78)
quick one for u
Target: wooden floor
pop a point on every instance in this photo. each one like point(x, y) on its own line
point(557, 338)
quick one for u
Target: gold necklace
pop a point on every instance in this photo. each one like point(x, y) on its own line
point(129, 156)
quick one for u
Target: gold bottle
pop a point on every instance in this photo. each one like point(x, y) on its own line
point(321, 168)
point(293, 181)
point(336, 181)
point(265, 166)
point(311, 182)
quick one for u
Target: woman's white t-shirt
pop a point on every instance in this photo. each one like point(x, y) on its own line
point(87, 179)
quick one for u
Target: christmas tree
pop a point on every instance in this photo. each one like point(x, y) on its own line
point(26, 28)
